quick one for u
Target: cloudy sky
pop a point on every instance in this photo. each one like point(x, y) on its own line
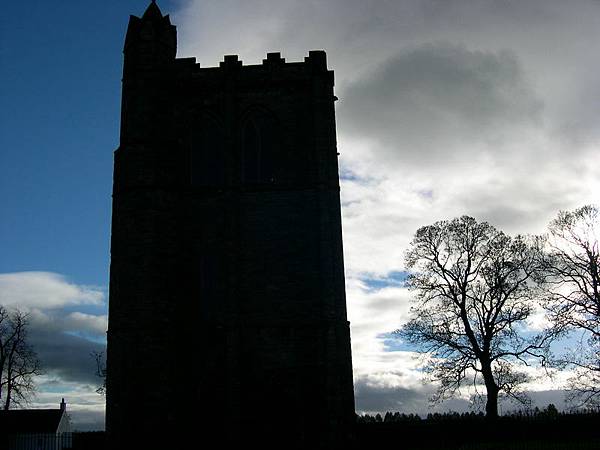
point(489, 108)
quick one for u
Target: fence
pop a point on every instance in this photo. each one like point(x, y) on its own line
point(40, 441)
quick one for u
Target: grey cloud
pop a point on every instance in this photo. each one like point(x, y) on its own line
point(509, 211)
point(541, 399)
point(377, 399)
point(371, 399)
point(551, 37)
point(434, 102)
point(87, 420)
point(65, 356)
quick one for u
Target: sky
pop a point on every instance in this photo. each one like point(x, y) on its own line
point(446, 107)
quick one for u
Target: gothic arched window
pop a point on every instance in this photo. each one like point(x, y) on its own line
point(260, 149)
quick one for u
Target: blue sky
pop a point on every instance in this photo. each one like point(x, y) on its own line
point(445, 109)
point(60, 88)
point(60, 71)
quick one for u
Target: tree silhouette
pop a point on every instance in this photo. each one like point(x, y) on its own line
point(100, 361)
point(18, 361)
point(572, 278)
point(474, 293)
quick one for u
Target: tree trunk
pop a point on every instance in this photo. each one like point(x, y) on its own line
point(2, 364)
point(7, 404)
point(8, 386)
point(491, 404)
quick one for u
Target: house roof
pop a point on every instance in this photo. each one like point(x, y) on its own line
point(30, 421)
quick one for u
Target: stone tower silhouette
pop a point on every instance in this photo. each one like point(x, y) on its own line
point(227, 314)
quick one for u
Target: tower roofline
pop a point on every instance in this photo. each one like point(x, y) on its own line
point(153, 19)
point(315, 62)
point(152, 12)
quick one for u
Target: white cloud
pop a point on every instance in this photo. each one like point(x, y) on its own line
point(86, 323)
point(371, 314)
point(538, 320)
point(57, 321)
point(45, 290)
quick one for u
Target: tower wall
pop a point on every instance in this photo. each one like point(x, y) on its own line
point(227, 303)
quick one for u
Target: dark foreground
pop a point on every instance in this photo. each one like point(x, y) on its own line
point(469, 432)
point(552, 431)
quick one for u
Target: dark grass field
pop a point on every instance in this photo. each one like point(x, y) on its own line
point(454, 432)
point(556, 432)
point(534, 445)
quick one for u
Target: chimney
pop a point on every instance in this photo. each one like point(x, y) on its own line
point(63, 405)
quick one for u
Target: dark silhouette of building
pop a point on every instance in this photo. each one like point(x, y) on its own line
point(227, 310)
point(41, 429)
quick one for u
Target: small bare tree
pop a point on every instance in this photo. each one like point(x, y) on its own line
point(572, 276)
point(100, 361)
point(474, 294)
point(18, 361)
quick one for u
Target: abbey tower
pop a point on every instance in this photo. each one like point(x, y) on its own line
point(227, 314)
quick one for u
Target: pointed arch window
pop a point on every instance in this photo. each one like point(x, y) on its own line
point(260, 149)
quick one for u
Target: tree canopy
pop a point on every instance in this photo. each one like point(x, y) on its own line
point(572, 279)
point(475, 292)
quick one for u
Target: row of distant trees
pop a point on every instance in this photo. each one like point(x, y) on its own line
point(477, 290)
point(549, 412)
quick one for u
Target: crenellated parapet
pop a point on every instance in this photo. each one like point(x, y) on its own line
point(314, 63)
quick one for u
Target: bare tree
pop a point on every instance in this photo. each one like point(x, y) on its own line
point(18, 361)
point(100, 361)
point(572, 278)
point(474, 294)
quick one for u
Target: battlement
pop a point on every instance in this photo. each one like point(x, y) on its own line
point(151, 46)
point(313, 64)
